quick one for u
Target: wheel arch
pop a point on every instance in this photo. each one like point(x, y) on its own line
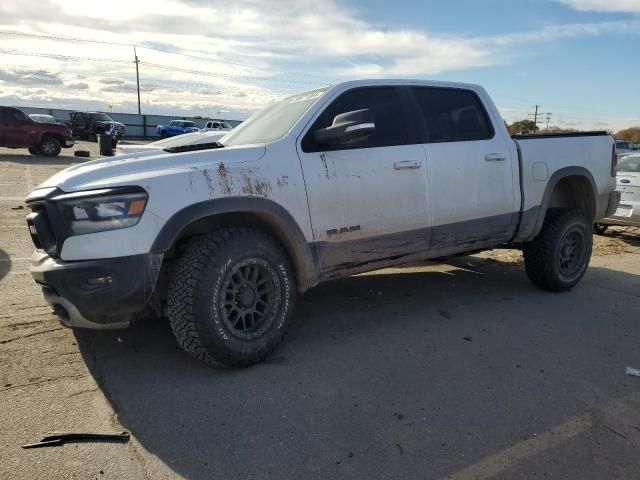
point(570, 188)
point(55, 135)
point(207, 216)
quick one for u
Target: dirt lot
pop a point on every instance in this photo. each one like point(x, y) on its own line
point(460, 371)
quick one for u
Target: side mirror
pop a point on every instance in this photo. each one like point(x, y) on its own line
point(347, 126)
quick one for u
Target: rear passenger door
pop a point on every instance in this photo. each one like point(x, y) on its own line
point(470, 170)
point(367, 197)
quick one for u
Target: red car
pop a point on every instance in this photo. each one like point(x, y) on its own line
point(17, 130)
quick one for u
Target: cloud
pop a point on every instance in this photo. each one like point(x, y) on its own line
point(78, 86)
point(29, 77)
point(112, 81)
point(246, 45)
point(604, 5)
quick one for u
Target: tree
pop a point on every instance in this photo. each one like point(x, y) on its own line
point(629, 134)
point(522, 126)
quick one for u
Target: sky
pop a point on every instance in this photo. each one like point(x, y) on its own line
point(578, 59)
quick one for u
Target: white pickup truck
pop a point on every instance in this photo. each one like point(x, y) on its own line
point(342, 180)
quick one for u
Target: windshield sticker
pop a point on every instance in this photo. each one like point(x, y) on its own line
point(307, 96)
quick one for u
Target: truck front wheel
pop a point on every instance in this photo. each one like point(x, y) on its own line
point(559, 256)
point(50, 147)
point(231, 296)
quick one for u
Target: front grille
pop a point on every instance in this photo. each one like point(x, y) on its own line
point(40, 230)
point(46, 226)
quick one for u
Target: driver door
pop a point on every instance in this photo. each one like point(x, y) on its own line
point(367, 195)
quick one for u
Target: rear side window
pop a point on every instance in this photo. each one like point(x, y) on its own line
point(16, 115)
point(452, 115)
point(385, 104)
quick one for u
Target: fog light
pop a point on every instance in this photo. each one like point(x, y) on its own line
point(100, 281)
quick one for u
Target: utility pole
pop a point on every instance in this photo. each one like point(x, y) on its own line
point(535, 117)
point(548, 117)
point(135, 54)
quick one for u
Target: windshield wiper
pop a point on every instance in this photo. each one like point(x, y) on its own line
point(194, 147)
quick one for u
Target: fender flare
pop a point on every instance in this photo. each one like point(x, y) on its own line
point(287, 230)
point(551, 185)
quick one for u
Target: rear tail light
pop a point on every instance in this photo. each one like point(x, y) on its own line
point(614, 161)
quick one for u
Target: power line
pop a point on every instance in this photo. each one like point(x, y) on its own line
point(156, 84)
point(198, 57)
point(236, 77)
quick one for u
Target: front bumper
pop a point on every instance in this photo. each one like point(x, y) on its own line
point(100, 294)
point(68, 143)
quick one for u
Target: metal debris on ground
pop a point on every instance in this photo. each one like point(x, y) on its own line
point(58, 438)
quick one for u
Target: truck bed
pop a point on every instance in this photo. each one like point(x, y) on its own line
point(543, 156)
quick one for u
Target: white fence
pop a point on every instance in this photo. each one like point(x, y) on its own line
point(137, 125)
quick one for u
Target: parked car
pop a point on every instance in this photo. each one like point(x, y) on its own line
point(624, 148)
point(42, 118)
point(628, 184)
point(152, 148)
point(216, 125)
point(87, 125)
point(176, 127)
point(337, 181)
point(17, 130)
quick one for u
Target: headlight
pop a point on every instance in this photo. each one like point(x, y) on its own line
point(97, 213)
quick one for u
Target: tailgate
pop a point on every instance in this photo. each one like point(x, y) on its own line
point(628, 185)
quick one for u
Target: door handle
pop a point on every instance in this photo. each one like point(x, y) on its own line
point(495, 157)
point(407, 164)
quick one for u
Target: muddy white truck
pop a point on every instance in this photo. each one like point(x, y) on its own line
point(220, 238)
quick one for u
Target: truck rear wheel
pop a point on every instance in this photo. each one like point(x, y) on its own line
point(559, 256)
point(34, 151)
point(164, 134)
point(231, 297)
point(50, 147)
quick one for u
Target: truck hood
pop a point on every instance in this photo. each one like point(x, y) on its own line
point(134, 169)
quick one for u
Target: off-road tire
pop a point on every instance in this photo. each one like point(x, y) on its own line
point(600, 228)
point(50, 147)
point(200, 302)
point(34, 151)
point(548, 260)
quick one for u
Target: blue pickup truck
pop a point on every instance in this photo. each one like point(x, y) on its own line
point(176, 127)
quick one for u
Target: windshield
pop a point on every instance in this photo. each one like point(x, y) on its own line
point(102, 117)
point(273, 122)
point(629, 164)
point(41, 118)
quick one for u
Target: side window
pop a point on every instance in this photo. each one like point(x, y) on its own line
point(385, 104)
point(452, 115)
point(18, 116)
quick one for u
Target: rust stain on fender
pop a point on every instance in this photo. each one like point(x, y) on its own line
point(283, 181)
point(207, 177)
point(253, 185)
point(223, 174)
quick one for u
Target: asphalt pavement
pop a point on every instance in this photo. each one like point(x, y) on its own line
point(462, 370)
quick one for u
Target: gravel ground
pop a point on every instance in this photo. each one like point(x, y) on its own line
point(460, 370)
